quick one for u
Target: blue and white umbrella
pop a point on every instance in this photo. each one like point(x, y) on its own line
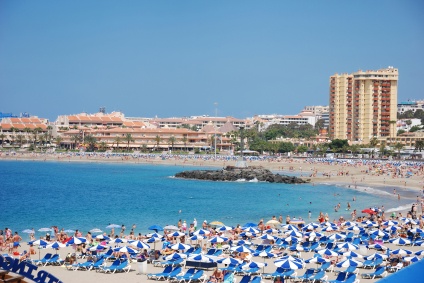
point(390, 223)
point(349, 223)
point(411, 221)
point(45, 230)
point(291, 238)
point(288, 264)
point(310, 227)
point(267, 237)
point(377, 247)
point(96, 230)
point(77, 240)
point(298, 248)
point(419, 243)
point(400, 241)
point(218, 239)
point(337, 237)
point(229, 261)
point(376, 256)
point(355, 228)
point(202, 232)
point(176, 234)
point(125, 249)
point(56, 245)
point(251, 230)
point(349, 262)
point(139, 244)
point(241, 249)
point(180, 246)
point(416, 230)
point(224, 228)
point(294, 233)
point(271, 231)
point(39, 243)
point(197, 238)
point(110, 226)
point(412, 259)
point(289, 257)
point(28, 231)
point(264, 254)
point(401, 252)
point(247, 234)
point(327, 252)
point(98, 248)
point(244, 242)
point(200, 258)
point(348, 246)
point(352, 254)
point(156, 228)
point(328, 229)
point(154, 235)
point(419, 253)
point(313, 235)
point(317, 259)
point(175, 256)
point(254, 264)
point(102, 237)
point(378, 233)
point(118, 241)
point(290, 227)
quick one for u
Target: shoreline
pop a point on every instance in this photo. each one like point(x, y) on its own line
point(341, 175)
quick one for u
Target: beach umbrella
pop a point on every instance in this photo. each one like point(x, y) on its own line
point(102, 237)
point(349, 262)
point(351, 253)
point(56, 246)
point(290, 227)
point(368, 211)
point(289, 257)
point(139, 244)
point(202, 232)
point(329, 224)
point(180, 246)
point(216, 223)
point(200, 258)
point(249, 224)
point(176, 234)
point(348, 246)
point(254, 264)
point(125, 249)
point(271, 231)
point(197, 238)
point(96, 230)
point(110, 226)
point(77, 240)
point(155, 228)
point(419, 243)
point(98, 248)
point(155, 235)
point(45, 230)
point(377, 247)
point(378, 233)
point(241, 249)
point(28, 231)
point(355, 228)
point(411, 221)
point(251, 230)
point(118, 241)
point(349, 223)
point(243, 242)
point(39, 243)
point(264, 254)
point(247, 234)
point(390, 223)
point(69, 231)
point(218, 239)
point(298, 248)
point(288, 264)
point(317, 259)
point(170, 227)
point(267, 237)
point(337, 236)
point(400, 241)
point(328, 229)
point(290, 239)
point(419, 253)
point(376, 256)
point(416, 230)
point(229, 261)
point(175, 256)
point(294, 233)
point(313, 234)
point(309, 227)
point(412, 259)
point(224, 228)
point(401, 252)
point(327, 252)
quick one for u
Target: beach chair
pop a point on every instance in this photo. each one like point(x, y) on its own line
point(326, 266)
point(350, 269)
point(194, 277)
point(276, 273)
point(288, 273)
point(43, 260)
point(305, 276)
point(341, 277)
point(172, 274)
point(379, 272)
point(123, 266)
point(98, 264)
point(218, 253)
point(229, 268)
point(374, 263)
point(114, 264)
point(320, 276)
point(186, 275)
point(395, 268)
point(251, 271)
point(256, 279)
point(166, 271)
point(245, 279)
point(51, 260)
point(211, 252)
point(84, 265)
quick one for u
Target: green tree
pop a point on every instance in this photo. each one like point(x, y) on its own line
point(75, 139)
point(408, 123)
point(338, 144)
point(91, 141)
point(419, 145)
point(185, 140)
point(398, 146)
point(144, 147)
point(157, 140)
point(285, 147)
point(302, 148)
point(128, 138)
point(12, 136)
point(2, 137)
point(20, 139)
point(102, 146)
point(319, 124)
point(355, 149)
point(117, 140)
point(399, 132)
point(35, 133)
point(323, 148)
point(172, 141)
point(58, 140)
point(414, 129)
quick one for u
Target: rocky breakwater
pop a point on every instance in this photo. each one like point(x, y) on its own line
point(231, 173)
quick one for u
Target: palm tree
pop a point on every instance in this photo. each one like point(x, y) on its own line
point(419, 145)
point(91, 141)
point(20, 138)
point(35, 132)
point(409, 123)
point(398, 146)
point(117, 140)
point(185, 140)
point(314, 147)
point(172, 141)
point(27, 132)
point(373, 144)
point(12, 136)
point(75, 139)
point(157, 140)
point(128, 138)
point(103, 146)
point(58, 140)
point(2, 137)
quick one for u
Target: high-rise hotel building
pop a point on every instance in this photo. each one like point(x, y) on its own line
point(363, 105)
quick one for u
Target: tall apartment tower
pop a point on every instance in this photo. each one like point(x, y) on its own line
point(363, 104)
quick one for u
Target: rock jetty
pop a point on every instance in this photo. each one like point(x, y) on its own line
point(231, 174)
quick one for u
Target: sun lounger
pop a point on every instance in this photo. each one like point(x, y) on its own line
point(341, 277)
point(189, 278)
point(278, 272)
point(43, 260)
point(123, 266)
point(83, 266)
point(320, 276)
point(174, 273)
point(256, 279)
point(166, 271)
point(245, 279)
point(186, 275)
point(379, 272)
point(98, 264)
point(114, 264)
point(251, 271)
point(305, 277)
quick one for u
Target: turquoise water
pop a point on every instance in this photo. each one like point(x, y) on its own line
point(92, 195)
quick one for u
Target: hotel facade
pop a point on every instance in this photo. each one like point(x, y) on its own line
point(363, 105)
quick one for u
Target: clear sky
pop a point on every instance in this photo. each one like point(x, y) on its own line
point(179, 58)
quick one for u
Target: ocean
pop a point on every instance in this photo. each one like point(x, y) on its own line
point(78, 195)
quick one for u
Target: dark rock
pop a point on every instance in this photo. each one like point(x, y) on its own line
point(231, 173)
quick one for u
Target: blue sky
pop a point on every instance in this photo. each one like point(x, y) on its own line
point(178, 58)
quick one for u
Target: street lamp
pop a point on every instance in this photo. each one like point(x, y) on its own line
point(216, 123)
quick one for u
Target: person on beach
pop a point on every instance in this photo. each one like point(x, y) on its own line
point(288, 219)
point(195, 224)
point(348, 205)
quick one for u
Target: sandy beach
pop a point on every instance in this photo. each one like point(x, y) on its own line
point(406, 182)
